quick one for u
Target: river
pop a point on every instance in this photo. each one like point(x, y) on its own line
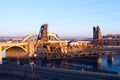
point(112, 66)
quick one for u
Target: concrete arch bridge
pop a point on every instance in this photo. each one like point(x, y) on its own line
point(56, 48)
point(24, 48)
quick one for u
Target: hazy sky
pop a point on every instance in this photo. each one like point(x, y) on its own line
point(64, 17)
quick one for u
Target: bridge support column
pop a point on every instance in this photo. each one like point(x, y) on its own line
point(0, 54)
point(31, 48)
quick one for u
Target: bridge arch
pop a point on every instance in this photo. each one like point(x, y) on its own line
point(53, 37)
point(33, 37)
point(15, 51)
point(30, 37)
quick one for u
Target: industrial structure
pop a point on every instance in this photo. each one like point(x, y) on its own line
point(108, 40)
point(47, 45)
point(52, 47)
point(43, 45)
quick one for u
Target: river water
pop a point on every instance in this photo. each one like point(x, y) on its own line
point(112, 66)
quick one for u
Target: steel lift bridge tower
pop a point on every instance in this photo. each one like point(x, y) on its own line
point(43, 45)
point(51, 47)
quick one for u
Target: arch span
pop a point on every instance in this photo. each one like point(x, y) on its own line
point(53, 37)
point(29, 37)
point(16, 51)
point(33, 36)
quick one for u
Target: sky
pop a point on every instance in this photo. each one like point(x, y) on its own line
point(64, 17)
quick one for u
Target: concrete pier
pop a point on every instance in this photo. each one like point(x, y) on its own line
point(110, 59)
point(0, 54)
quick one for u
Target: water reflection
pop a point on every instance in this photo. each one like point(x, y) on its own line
point(113, 64)
point(110, 60)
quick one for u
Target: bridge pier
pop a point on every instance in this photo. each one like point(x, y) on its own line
point(0, 54)
point(31, 48)
point(110, 59)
